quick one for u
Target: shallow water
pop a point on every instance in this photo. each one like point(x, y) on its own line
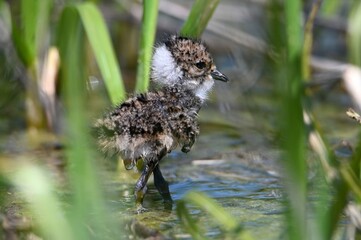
point(246, 184)
point(235, 162)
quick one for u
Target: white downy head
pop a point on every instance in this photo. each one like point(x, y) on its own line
point(186, 63)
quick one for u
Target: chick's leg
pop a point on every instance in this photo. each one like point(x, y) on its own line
point(161, 184)
point(141, 186)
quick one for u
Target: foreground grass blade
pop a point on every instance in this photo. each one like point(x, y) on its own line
point(71, 53)
point(89, 208)
point(149, 25)
point(288, 76)
point(228, 223)
point(36, 188)
point(201, 12)
point(100, 42)
point(293, 128)
point(188, 222)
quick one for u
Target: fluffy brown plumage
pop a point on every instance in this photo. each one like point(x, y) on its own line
point(151, 125)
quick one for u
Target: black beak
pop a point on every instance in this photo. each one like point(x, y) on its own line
point(217, 75)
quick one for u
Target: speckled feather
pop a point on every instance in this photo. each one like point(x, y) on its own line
point(150, 125)
point(187, 52)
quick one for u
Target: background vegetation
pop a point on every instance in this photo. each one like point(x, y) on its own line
point(59, 44)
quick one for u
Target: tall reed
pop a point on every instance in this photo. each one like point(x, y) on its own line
point(149, 26)
point(87, 217)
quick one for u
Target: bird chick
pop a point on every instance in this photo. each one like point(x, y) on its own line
point(148, 126)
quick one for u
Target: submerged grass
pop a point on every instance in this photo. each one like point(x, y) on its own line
point(231, 227)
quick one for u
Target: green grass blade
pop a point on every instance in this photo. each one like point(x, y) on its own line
point(329, 7)
point(340, 192)
point(288, 75)
point(308, 41)
point(70, 43)
point(29, 34)
point(188, 222)
point(38, 191)
point(350, 178)
point(354, 38)
point(201, 12)
point(149, 25)
point(100, 42)
point(89, 207)
point(227, 222)
point(294, 36)
point(325, 219)
point(29, 13)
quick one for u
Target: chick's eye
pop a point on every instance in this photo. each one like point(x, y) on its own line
point(200, 65)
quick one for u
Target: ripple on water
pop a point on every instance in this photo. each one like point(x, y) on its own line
point(251, 195)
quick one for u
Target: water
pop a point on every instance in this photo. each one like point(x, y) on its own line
point(235, 162)
point(245, 183)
